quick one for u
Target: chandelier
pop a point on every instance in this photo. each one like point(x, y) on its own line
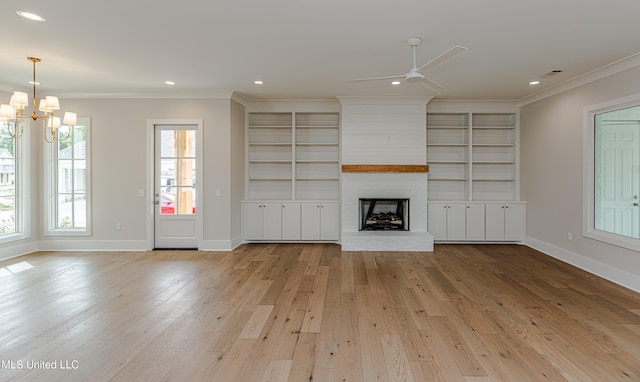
point(14, 114)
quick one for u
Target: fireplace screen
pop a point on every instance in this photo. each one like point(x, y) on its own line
point(384, 214)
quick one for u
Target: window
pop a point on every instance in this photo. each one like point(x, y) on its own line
point(8, 183)
point(613, 173)
point(69, 179)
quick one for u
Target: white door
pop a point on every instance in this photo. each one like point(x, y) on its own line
point(617, 179)
point(175, 210)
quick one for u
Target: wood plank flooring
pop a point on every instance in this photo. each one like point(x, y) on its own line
point(309, 312)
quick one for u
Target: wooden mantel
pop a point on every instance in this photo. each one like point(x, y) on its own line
point(400, 168)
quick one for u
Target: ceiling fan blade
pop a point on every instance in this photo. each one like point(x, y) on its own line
point(431, 84)
point(376, 78)
point(456, 50)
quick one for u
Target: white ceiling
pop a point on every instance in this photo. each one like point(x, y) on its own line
point(309, 49)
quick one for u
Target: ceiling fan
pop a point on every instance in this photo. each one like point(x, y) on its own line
point(415, 74)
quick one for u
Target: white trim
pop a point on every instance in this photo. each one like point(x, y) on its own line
point(12, 250)
point(605, 71)
point(22, 161)
point(468, 106)
point(220, 245)
point(151, 123)
point(615, 275)
point(588, 221)
point(91, 245)
point(380, 100)
point(49, 165)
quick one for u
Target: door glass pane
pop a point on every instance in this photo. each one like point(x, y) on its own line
point(167, 144)
point(186, 201)
point(168, 174)
point(187, 171)
point(617, 172)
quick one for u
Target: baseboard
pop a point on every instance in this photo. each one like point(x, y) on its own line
point(220, 245)
point(615, 275)
point(9, 251)
point(92, 245)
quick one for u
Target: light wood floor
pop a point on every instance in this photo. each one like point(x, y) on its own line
point(294, 312)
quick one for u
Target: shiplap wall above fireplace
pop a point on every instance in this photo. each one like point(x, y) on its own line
point(391, 131)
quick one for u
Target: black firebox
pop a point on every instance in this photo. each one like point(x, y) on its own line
point(384, 214)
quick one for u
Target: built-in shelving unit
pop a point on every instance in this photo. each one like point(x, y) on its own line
point(293, 176)
point(270, 160)
point(317, 157)
point(448, 156)
point(472, 156)
point(473, 177)
point(493, 155)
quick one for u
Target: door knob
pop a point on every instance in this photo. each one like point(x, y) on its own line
point(156, 202)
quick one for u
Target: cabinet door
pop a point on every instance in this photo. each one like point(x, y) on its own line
point(310, 221)
point(252, 221)
point(494, 218)
point(514, 218)
point(437, 220)
point(290, 221)
point(456, 221)
point(271, 221)
point(330, 221)
point(475, 221)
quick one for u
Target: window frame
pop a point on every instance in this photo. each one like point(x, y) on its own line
point(588, 229)
point(51, 197)
point(22, 187)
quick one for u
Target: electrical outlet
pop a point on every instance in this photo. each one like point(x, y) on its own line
point(569, 236)
point(118, 227)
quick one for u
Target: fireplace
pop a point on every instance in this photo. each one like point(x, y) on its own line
point(384, 214)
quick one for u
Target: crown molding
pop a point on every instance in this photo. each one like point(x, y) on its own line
point(381, 100)
point(615, 67)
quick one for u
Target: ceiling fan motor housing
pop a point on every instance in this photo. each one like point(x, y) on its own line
point(414, 77)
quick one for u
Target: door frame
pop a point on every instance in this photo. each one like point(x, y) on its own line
point(150, 186)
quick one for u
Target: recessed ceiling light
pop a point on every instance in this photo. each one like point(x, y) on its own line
point(395, 83)
point(34, 83)
point(258, 82)
point(169, 82)
point(534, 82)
point(31, 16)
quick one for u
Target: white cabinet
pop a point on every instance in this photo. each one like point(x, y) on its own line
point(505, 221)
point(291, 221)
point(271, 221)
point(476, 221)
point(320, 220)
point(447, 221)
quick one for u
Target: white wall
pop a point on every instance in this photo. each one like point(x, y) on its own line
point(119, 165)
point(551, 136)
